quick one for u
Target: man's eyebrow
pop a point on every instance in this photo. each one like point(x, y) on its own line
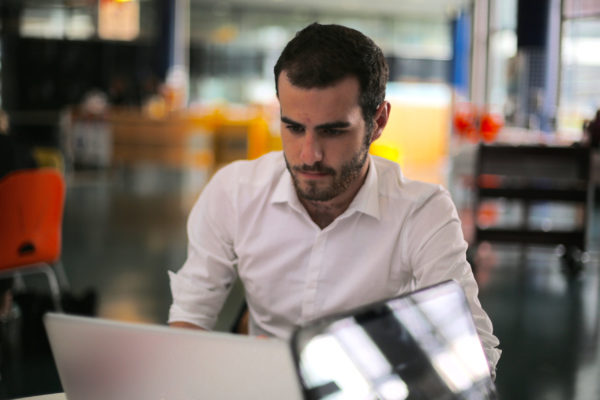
point(289, 121)
point(327, 125)
point(333, 125)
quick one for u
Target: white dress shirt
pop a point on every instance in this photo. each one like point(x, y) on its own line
point(396, 236)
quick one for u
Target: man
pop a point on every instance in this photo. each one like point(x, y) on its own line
point(321, 227)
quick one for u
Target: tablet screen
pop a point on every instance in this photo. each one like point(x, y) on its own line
point(418, 346)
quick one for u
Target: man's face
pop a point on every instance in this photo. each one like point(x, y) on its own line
point(324, 138)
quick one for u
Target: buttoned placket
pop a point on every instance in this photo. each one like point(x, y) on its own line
point(316, 263)
point(310, 309)
point(313, 273)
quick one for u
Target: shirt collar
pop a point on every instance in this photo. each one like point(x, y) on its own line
point(367, 198)
point(285, 192)
point(365, 201)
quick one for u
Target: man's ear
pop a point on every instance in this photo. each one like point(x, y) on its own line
point(381, 118)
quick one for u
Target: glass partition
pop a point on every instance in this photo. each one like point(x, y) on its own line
point(233, 49)
point(579, 85)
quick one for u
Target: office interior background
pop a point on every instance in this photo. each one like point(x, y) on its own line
point(138, 102)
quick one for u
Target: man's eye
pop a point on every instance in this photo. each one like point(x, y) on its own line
point(332, 132)
point(295, 128)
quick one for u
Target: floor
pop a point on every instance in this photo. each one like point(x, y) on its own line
point(123, 230)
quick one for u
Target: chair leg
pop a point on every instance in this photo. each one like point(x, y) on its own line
point(54, 287)
point(19, 283)
point(50, 275)
point(63, 281)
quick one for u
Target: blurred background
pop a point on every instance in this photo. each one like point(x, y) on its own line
point(138, 102)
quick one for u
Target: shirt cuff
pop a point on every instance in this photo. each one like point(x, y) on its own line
point(185, 306)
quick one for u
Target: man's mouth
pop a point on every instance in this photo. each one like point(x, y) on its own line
point(313, 173)
point(315, 170)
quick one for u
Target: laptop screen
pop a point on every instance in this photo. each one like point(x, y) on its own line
point(418, 346)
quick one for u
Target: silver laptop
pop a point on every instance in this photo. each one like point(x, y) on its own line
point(107, 360)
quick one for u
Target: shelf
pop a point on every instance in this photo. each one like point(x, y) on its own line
point(575, 195)
point(525, 236)
point(530, 174)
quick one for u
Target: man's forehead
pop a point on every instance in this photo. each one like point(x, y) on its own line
point(285, 80)
point(316, 107)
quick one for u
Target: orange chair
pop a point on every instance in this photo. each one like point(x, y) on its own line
point(31, 212)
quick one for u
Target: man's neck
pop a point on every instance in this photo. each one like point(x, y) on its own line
point(322, 213)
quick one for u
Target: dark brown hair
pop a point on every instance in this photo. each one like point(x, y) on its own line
point(321, 55)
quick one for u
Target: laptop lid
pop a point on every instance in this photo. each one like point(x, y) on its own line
point(422, 345)
point(108, 360)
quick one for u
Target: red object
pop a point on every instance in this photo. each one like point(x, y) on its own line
point(31, 211)
point(464, 119)
point(489, 181)
point(487, 215)
point(490, 126)
point(474, 125)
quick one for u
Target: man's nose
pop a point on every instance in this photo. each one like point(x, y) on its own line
point(312, 150)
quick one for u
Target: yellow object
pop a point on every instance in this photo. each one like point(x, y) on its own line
point(49, 157)
point(416, 137)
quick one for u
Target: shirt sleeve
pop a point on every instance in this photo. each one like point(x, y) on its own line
point(201, 286)
point(436, 250)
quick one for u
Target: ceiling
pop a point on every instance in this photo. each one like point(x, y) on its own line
point(433, 8)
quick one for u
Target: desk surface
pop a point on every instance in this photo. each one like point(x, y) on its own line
point(57, 396)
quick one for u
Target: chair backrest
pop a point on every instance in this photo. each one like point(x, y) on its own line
point(31, 212)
